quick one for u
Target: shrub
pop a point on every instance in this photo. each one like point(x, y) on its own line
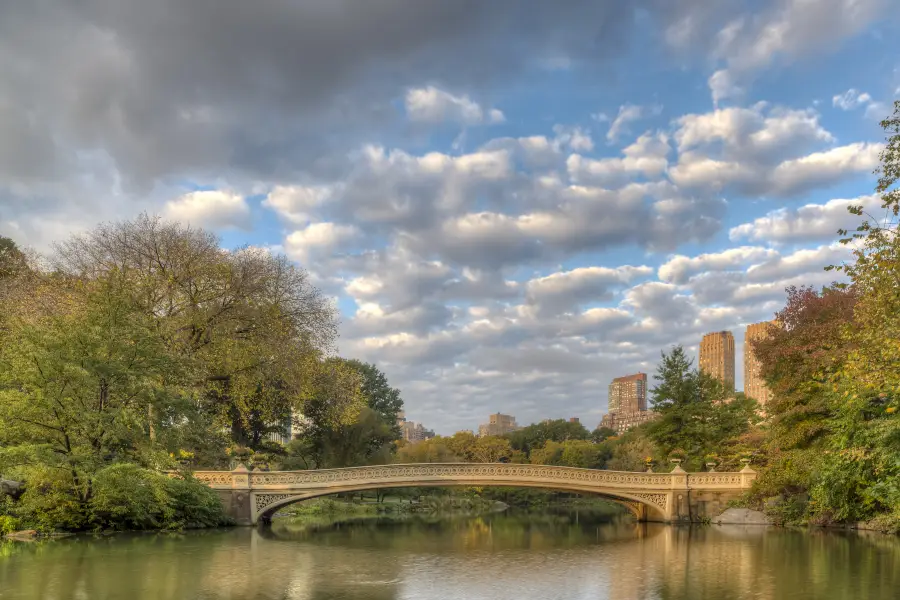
point(125, 496)
point(129, 497)
point(194, 505)
point(52, 500)
point(8, 524)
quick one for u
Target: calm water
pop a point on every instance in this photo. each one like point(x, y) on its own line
point(497, 557)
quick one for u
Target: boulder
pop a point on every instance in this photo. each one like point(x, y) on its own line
point(11, 488)
point(25, 534)
point(742, 516)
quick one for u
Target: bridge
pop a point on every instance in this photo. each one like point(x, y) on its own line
point(251, 497)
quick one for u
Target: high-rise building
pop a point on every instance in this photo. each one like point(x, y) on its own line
point(717, 357)
point(628, 394)
point(414, 432)
point(498, 424)
point(627, 403)
point(754, 386)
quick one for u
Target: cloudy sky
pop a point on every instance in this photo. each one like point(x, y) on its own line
point(512, 202)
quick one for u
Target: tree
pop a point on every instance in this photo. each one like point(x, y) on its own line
point(696, 412)
point(536, 435)
point(351, 445)
point(382, 399)
point(249, 324)
point(602, 434)
point(490, 449)
point(433, 450)
point(570, 453)
point(798, 358)
point(75, 385)
point(462, 444)
point(629, 452)
point(12, 260)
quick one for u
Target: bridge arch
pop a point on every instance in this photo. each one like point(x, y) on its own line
point(266, 505)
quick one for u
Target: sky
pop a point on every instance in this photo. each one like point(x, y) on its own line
point(511, 203)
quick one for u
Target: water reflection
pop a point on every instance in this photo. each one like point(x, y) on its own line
point(500, 556)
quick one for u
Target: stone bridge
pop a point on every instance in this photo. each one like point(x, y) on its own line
point(251, 497)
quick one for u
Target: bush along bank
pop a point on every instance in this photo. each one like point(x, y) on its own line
point(120, 497)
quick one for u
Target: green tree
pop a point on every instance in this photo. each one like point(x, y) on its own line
point(12, 260)
point(462, 444)
point(630, 451)
point(75, 386)
point(537, 434)
point(490, 449)
point(433, 450)
point(249, 324)
point(570, 453)
point(379, 395)
point(602, 434)
point(696, 413)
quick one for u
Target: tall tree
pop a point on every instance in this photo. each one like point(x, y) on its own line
point(380, 397)
point(12, 260)
point(696, 412)
point(249, 323)
point(798, 357)
point(75, 384)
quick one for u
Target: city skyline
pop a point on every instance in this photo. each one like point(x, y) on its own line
point(739, 357)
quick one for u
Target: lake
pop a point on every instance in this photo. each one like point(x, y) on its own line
point(500, 556)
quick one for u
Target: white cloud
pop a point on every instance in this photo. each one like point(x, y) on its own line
point(575, 138)
point(628, 113)
point(851, 99)
point(563, 291)
point(297, 203)
point(722, 86)
point(217, 209)
point(825, 168)
point(789, 30)
point(433, 105)
point(646, 156)
point(679, 269)
point(763, 151)
point(811, 222)
point(318, 238)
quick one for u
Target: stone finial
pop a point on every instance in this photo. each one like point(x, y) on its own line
point(240, 468)
point(678, 469)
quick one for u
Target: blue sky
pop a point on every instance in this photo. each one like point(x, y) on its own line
point(509, 207)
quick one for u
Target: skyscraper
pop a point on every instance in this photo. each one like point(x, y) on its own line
point(628, 393)
point(717, 357)
point(627, 403)
point(754, 386)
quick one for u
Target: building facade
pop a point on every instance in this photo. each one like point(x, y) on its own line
point(754, 386)
point(411, 431)
point(415, 432)
point(717, 357)
point(623, 421)
point(628, 394)
point(498, 424)
point(627, 403)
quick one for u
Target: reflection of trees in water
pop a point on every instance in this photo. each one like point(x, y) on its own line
point(744, 562)
point(435, 533)
point(494, 556)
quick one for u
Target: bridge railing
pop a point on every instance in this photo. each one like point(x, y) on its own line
point(241, 477)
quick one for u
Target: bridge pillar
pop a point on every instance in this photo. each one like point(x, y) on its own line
point(678, 507)
point(238, 501)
